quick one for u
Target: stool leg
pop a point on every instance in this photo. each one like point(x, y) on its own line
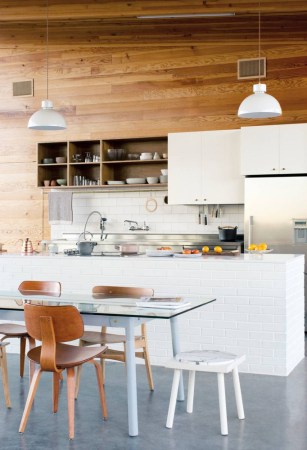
point(238, 394)
point(173, 399)
point(222, 403)
point(191, 386)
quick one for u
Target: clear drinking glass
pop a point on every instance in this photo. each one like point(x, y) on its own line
point(88, 157)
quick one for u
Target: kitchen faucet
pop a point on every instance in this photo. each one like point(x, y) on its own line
point(102, 225)
point(136, 227)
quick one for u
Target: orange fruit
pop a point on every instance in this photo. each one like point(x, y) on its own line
point(205, 249)
point(218, 249)
point(262, 246)
point(252, 247)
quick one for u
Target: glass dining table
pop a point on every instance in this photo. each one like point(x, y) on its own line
point(109, 311)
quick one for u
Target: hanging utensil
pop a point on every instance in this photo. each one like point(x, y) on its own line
point(217, 211)
point(199, 216)
point(205, 215)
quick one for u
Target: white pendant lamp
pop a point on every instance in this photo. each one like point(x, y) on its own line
point(46, 118)
point(259, 105)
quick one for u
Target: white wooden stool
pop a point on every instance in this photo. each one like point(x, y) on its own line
point(206, 361)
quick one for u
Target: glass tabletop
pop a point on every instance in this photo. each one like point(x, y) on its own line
point(92, 304)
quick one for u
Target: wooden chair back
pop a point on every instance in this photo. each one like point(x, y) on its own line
point(125, 291)
point(30, 287)
point(66, 321)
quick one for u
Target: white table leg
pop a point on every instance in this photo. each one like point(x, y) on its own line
point(131, 379)
point(176, 349)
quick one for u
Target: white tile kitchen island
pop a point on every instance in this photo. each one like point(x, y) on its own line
point(259, 309)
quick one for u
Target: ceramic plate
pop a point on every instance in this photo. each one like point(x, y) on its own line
point(159, 252)
point(187, 255)
point(115, 182)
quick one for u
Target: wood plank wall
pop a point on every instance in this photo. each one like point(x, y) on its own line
point(128, 79)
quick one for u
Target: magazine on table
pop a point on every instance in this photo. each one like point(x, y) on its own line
point(162, 302)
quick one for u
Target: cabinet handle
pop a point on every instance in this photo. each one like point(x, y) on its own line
point(283, 168)
point(273, 168)
point(205, 199)
point(196, 200)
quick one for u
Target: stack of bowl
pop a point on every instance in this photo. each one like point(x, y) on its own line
point(146, 156)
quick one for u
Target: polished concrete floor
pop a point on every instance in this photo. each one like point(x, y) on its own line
point(275, 408)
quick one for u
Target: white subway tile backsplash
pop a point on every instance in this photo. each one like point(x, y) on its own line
point(118, 206)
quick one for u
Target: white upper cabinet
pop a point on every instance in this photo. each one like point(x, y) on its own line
point(274, 149)
point(293, 148)
point(204, 168)
point(184, 159)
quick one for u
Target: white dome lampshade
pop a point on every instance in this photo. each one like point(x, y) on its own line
point(46, 118)
point(259, 105)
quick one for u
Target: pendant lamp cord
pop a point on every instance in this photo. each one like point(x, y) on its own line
point(47, 47)
point(259, 38)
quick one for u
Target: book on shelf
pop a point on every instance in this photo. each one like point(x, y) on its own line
point(162, 302)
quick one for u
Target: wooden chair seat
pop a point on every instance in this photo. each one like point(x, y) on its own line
point(13, 330)
point(68, 355)
point(102, 337)
point(53, 326)
point(94, 337)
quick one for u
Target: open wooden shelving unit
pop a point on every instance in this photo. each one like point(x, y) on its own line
point(102, 170)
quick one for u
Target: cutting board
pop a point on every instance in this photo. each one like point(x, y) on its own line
point(224, 253)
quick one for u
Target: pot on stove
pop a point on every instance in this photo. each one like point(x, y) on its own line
point(227, 233)
point(86, 247)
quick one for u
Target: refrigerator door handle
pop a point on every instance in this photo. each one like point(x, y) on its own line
point(250, 230)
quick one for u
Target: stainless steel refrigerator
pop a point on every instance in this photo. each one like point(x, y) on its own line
point(275, 212)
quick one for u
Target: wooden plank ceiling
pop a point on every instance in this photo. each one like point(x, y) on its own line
point(34, 10)
point(116, 22)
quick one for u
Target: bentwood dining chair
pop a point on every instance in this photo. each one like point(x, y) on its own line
point(14, 330)
point(102, 337)
point(53, 326)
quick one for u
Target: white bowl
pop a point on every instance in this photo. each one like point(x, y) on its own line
point(163, 178)
point(146, 156)
point(60, 159)
point(164, 171)
point(136, 180)
point(152, 180)
point(61, 181)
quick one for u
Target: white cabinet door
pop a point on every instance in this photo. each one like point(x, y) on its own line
point(293, 148)
point(184, 168)
point(223, 182)
point(204, 168)
point(274, 149)
point(260, 150)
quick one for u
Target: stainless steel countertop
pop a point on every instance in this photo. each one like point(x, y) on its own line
point(149, 240)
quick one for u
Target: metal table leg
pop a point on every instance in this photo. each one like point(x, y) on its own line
point(176, 349)
point(131, 379)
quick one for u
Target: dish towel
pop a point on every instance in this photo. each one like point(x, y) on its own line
point(60, 208)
